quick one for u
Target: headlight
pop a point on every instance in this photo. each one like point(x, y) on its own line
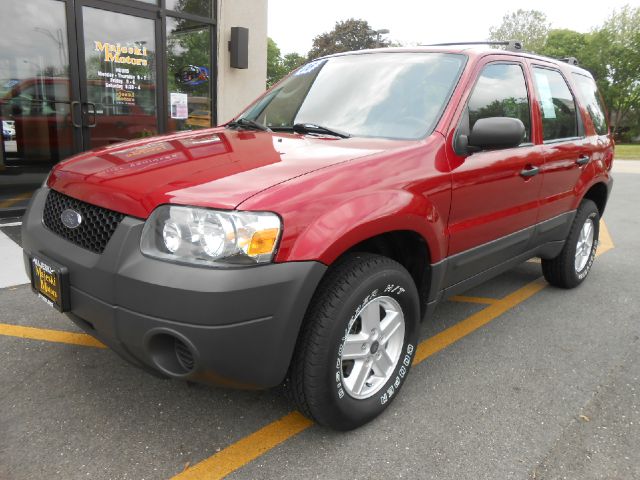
point(210, 237)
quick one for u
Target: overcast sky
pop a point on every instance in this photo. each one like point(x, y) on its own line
point(294, 23)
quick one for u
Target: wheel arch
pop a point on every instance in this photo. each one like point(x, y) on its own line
point(398, 224)
point(410, 250)
point(598, 193)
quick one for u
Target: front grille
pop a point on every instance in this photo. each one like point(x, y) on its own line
point(96, 228)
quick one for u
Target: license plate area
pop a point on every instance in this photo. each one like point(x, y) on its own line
point(50, 281)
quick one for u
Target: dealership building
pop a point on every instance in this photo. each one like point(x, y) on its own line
point(82, 74)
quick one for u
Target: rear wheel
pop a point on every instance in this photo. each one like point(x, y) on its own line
point(573, 264)
point(358, 342)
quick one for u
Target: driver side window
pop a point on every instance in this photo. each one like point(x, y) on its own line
point(501, 91)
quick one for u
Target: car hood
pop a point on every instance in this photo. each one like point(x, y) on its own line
point(217, 168)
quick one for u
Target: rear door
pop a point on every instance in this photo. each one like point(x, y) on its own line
point(567, 149)
point(495, 192)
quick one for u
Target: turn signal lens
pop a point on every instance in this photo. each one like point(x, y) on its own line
point(263, 242)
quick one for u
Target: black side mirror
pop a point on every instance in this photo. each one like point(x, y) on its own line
point(495, 133)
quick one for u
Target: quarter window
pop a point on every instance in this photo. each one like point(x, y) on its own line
point(558, 108)
point(588, 92)
point(501, 91)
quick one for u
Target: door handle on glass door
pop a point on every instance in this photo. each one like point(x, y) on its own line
point(583, 159)
point(73, 113)
point(91, 112)
point(530, 171)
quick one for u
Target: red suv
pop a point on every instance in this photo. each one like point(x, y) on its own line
point(305, 241)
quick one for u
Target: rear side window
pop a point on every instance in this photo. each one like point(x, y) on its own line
point(501, 91)
point(588, 92)
point(558, 108)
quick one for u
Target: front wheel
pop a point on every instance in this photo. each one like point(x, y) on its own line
point(358, 342)
point(573, 264)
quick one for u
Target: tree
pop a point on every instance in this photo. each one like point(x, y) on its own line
point(529, 26)
point(279, 66)
point(346, 36)
point(563, 43)
point(614, 60)
point(291, 61)
point(274, 62)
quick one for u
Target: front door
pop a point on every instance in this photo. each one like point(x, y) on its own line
point(495, 193)
point(117, 68)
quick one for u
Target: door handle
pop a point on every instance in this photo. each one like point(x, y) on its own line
point(73, 113)
point(583, 160)
point(530, 171)
point(91, 112)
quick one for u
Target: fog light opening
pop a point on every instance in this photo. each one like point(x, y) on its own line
point(171, 355)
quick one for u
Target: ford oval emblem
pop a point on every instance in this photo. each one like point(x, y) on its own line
point(70, 218)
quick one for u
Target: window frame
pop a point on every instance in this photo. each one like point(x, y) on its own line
point(579, 122)
point(464, 113)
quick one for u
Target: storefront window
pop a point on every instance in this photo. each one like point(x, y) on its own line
point(194, 7)
point(34, 84)
point(189, 74)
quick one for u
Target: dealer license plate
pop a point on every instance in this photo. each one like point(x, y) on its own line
point(49, 281)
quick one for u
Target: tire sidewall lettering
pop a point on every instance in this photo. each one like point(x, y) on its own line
point(582, 274)
point(397, 378)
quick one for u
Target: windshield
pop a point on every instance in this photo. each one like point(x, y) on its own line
point(390, 95)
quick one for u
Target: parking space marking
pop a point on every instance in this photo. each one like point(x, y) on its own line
point(605, 243)
point(247, 449)
point(442, 340)
point(58, 336)
point(18, 198)
point(11, 264)
point(480, 300)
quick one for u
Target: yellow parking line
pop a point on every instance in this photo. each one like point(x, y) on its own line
point(12, 201)
point(466, 299)
point(48, 335)
point(434, 344)
point(247, 449)
point(605, 242)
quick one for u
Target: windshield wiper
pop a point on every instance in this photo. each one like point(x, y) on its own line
point(313, 128)
point(247, 123)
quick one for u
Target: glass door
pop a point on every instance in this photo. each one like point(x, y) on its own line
point(117, 73)
point(36, 90)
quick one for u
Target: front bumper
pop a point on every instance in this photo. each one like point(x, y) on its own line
point(239, 325)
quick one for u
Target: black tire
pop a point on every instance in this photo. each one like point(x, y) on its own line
point(316, 375)
point(561, 271)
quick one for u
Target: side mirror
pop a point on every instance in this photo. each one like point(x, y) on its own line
point(495, 133)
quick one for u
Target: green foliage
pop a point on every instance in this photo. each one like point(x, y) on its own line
point(563, 43)
point(346, 36)
point(274, 63)
point(291, 61)
point(529, 26)
point(279, 66)
point(614, 57)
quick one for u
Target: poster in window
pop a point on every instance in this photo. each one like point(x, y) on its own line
point(179, 106)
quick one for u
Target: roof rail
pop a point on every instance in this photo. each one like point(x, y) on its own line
point(570, 60)
point(512, 45)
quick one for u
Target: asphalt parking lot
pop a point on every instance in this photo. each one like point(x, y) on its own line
point(515, 379)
